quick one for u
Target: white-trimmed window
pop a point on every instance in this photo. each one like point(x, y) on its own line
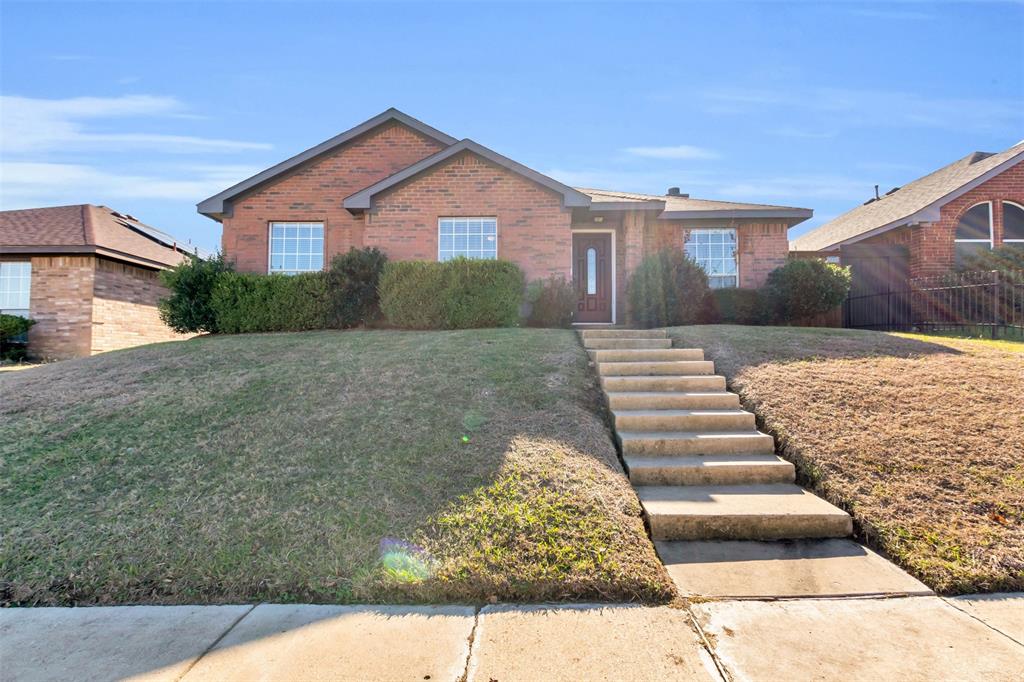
point(469, 237)
point(1013, 224)
point(715, 251)
point(974, 231)
point(296, 247)
point(15, 287)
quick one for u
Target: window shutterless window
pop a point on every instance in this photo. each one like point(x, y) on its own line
point(1013, 224)
point(974, 231)
point(15, 287)
point(469, 237)
point(296, 247)
point(715, 251)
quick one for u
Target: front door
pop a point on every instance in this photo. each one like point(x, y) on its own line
point(592, 274)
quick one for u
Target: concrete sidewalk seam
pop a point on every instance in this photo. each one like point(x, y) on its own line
point(706, 643)
point(470, 641)
point(214, 643)
point(990, 627)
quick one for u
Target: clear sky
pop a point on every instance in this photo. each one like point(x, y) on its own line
point(151, 107)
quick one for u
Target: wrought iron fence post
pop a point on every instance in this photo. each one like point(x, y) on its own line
point(996, 303)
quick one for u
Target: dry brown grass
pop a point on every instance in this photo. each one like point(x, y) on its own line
point(920, 438)
point(271, 467)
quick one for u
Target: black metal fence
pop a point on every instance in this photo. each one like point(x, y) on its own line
point(974, 303)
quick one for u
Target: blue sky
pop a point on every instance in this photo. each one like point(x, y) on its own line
point(151, 107)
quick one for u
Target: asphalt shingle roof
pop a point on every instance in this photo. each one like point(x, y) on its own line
point(896, 208)
point(65, 228)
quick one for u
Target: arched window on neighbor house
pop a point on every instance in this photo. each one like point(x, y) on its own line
point(1013, 224)
point(974, 231)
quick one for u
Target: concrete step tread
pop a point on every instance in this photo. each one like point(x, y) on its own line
point(763, 500)
point(690, 435)
point(624, 333)
point(655, 412)
point(684, 461)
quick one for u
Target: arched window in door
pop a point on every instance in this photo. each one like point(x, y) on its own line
point(974, 231)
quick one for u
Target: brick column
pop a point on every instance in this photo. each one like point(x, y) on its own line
point(633, 244)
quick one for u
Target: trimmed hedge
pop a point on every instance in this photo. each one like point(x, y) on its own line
point(455, 294)
point(804, 288)
point(738, 306)
point(552, 302)
point(245, 302)
point(667, 290)
point(188, 309)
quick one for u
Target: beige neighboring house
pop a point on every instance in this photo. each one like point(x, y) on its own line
point(87, 275)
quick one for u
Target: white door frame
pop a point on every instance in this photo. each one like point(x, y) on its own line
point(572, 275)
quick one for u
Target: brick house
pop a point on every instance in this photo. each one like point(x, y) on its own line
point(932, 223)
point(87, 275)
point(415, 192)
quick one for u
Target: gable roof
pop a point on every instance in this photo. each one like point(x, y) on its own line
point(363, 199)
point(918, 201)
point(85, 228)
point(219, 204)
point(679, 207)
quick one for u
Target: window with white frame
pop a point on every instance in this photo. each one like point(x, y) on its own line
point(974, 231)
point(715, 251)
point(15, 287)
point(1013, 224)
point(296, 247)
point(469, 237)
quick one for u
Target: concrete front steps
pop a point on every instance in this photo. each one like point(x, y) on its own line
point(702, 470)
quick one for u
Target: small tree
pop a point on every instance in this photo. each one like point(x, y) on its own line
point(1006, 258)
point(191, 283)
point(667, 289)
point(803, 288)
point(13, 328)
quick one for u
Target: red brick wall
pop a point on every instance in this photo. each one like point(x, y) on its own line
point(533, 228)
point(124, 307)
point(316, 191)
point(61, 304)
point(761, 247)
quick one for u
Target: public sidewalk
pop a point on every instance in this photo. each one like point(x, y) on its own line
point(909, 638)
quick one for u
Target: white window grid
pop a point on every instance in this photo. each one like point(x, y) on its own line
point(1020, 208)
point(296, 247)
point(714, 249)
point(469, 237)
point(15, 287)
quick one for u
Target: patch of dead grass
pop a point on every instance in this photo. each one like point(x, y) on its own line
point(920, 438)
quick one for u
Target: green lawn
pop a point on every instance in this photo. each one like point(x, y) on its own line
point(920, 437)
point(322, 467)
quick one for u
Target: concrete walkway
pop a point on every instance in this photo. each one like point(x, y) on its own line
point(909, 638)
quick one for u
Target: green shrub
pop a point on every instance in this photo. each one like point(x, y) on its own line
point(738, 306)
point(188, 309)
point(552, 302)
point(353, 280)
point(1008, 258)
point(245, 302)
point(666, 290)
point(804, 288)
point(456, 294)
point(13, 342)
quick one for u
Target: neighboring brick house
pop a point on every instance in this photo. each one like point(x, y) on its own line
point(415, 192)
point(87, 275)
point(933, 222)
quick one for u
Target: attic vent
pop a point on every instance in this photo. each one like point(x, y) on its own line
point(892, 191)
point(978, 156)
point(871, 200)
point(673, 192)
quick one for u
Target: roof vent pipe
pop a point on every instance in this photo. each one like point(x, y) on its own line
point(876, 192)
point(673, 191)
